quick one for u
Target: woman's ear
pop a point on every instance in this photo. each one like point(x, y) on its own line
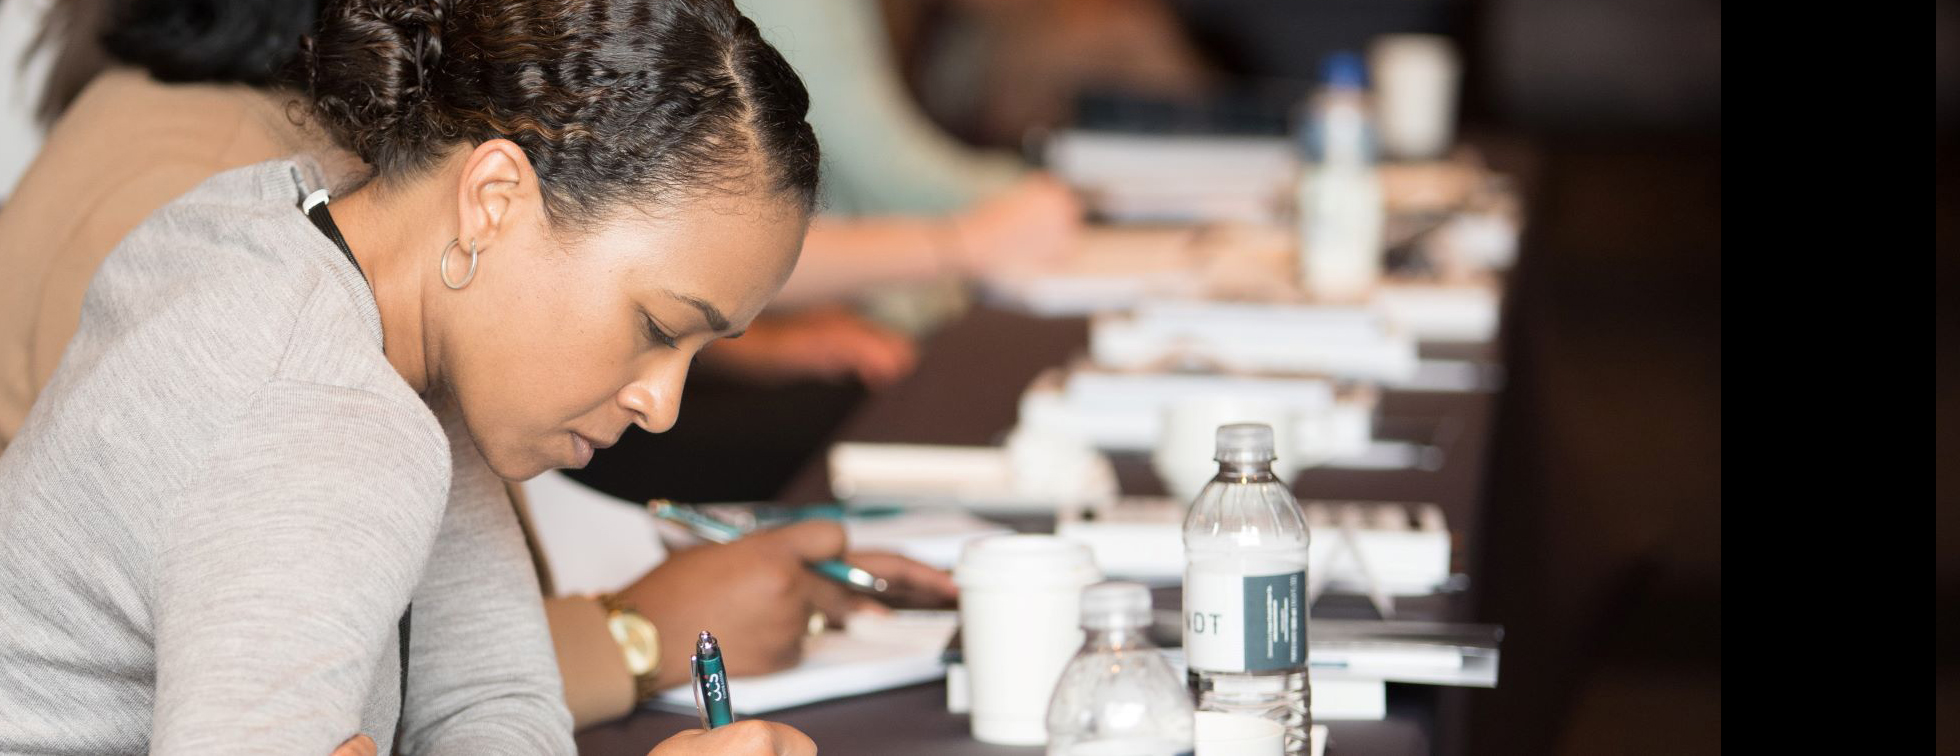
point(496, 190)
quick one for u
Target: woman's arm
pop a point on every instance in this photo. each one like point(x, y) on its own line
point(482, 677)
point(842, 257)
point(283, 569)
point(598, 686)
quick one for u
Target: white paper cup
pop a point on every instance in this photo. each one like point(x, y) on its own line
point(1020, 623)
point(1220, 734)
point(1416, 79)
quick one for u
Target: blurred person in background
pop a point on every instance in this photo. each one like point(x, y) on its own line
point(1000, 70)
point(911, 214)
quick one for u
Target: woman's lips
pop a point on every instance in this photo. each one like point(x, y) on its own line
point(581, 451)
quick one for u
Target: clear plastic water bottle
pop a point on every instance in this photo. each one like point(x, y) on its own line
point(1118, 696)
point(1340, 195)
point(1245, 589)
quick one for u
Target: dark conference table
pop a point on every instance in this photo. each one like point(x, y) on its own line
point(966, 390)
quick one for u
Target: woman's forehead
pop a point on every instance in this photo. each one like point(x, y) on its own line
point(731, 255)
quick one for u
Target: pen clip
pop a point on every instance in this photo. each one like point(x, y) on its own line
point(694, 683)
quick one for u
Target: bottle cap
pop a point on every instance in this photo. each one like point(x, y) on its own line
point(1344, 70)
point(1111, 605)
point(1245, 443)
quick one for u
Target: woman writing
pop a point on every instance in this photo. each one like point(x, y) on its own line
point(222, 526)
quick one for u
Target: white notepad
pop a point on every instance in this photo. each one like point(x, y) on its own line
point(873, 653)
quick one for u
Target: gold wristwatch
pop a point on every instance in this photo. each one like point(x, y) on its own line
point(639, 642)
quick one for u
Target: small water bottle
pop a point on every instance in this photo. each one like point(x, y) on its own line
point(1118, 696)
point(1340, 195)
point(1245, 589)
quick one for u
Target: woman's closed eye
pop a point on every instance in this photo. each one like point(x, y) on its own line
point(657, 334)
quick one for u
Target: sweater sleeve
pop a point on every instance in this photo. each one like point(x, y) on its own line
point(482, 678)
point(284, 569)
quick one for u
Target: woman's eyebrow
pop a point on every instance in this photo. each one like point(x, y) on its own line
point(716, 321)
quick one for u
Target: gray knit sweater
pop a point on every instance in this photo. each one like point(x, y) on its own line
point(219, 508)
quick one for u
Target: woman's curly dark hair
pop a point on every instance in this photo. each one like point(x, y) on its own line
point(609, 99)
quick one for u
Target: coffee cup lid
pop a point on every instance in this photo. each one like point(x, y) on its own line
point(1026, 559)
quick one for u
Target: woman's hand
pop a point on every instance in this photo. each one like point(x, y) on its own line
point(359, 745)
point(756, 595)
point(749, 737)
point(910, 584)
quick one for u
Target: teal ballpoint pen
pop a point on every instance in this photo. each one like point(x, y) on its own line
point(716, 531)
point(710, 683)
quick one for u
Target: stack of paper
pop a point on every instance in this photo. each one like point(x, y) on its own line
point(1430, 653)
point(1393, 549)
point(1156, 179)
point(1343, 342)
point(1033, 472)
point(1124, 411)
point(1441, 313)
point(1115, 268)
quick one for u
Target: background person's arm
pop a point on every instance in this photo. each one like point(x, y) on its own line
point(282, 572)
point(1033, 221)
point(880, 152)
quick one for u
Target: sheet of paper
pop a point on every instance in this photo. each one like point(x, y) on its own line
point(592, 542)
point(873, 653)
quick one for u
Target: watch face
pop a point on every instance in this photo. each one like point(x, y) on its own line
point(637, 639)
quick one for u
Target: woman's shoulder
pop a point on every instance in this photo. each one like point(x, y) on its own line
point(234, 260)
point(228, 289)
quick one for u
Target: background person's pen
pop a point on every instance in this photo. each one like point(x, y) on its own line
point(710, 683)
point(710, 529)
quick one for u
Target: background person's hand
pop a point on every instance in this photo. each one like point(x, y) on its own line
point(749, 737)
point(359, 745)
point(823, 343)
point(756, 595)
point(1033, 222)
point(909, 584)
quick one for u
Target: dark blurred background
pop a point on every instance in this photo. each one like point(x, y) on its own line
point(1946, 365)
point(1602, 554)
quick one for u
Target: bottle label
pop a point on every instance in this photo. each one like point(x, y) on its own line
point(1245, 623)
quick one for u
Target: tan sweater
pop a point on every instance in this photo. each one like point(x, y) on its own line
point(126, 147)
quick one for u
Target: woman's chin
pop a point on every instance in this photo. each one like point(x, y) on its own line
point(524, 467)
